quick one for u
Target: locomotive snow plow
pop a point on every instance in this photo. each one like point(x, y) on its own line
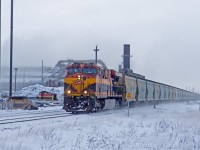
point(21, 102)
point(89, 104)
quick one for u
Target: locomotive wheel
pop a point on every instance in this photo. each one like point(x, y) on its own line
point(88, 109)
point(117, 105)
point(102, 102)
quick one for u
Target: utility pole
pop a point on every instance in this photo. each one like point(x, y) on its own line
point(24, 78)
point(42, 73)
point(128, 107)
point(96, 50)
point(16, 78)
point(11, 48)
point(0, 47)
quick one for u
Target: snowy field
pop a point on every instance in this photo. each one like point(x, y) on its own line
point(170, 126)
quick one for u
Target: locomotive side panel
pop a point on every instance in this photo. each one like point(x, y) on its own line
point(103, 88)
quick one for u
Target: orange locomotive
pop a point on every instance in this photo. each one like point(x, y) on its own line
point(87, 86)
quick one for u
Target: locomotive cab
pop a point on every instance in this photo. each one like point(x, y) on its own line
point(88, 87)
point(80, 86)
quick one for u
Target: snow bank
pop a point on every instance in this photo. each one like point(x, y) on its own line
point(33, 91)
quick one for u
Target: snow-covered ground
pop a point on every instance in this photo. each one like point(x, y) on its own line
point(169, 126)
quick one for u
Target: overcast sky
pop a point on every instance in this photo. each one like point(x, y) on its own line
point(164, 35)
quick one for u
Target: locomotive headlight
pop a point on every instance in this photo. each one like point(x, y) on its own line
point(79, 77)
point(85, 92)
point(68, 92)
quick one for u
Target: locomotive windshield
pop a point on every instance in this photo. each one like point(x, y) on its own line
point(90, 70)
point(74, 70)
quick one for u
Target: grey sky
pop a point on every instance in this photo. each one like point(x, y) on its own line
point(164, 35)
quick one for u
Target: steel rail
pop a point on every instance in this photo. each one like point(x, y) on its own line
point(32, 116)
point(28, 113)
point(35, 119)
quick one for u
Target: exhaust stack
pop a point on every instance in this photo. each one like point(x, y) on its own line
point(126, 57)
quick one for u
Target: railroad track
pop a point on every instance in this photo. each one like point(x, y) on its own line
point(60, 114)
point(34, 118)
point(29, 112)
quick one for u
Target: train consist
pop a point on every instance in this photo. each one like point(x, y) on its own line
point(89, 87)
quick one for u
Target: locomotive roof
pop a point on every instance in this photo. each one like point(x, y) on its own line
point(18, 97)
point(81, 65)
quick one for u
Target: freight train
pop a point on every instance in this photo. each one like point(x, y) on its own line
point(89, 87)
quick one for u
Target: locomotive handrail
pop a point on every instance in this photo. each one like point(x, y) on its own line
point(67, 62)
